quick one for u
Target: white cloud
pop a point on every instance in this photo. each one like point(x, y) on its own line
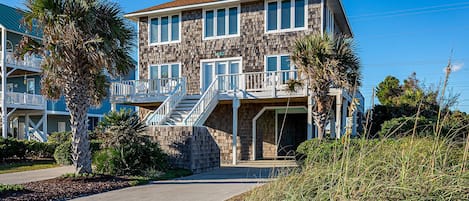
point(456, 67)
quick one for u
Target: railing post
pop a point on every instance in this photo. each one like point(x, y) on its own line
point(274, 87)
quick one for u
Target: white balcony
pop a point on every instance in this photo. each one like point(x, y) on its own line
point(138, 91)
point(28, 62)
point(24, 100)
point(253, 85)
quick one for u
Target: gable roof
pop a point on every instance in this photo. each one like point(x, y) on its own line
point(11, 19)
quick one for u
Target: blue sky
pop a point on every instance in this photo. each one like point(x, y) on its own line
point(397, 38)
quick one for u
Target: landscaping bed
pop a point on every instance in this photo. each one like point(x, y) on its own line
point(67, 188)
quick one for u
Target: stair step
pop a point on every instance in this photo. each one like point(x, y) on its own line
point(183, 109)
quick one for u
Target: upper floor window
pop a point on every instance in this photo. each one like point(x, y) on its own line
point(165, 29)
point(165, 71)
point(281, 65)
point(222, 22)
point(285, 15)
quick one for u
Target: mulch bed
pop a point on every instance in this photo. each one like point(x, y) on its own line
point(66, 188)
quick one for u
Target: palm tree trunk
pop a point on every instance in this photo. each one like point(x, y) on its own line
point(78, 105)
point(320, 117)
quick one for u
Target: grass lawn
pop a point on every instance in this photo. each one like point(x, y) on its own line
point(21, 166)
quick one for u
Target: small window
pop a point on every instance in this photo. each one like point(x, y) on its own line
point(61, 126)
point(164, 29)
point(285, 15)
point(221, 22)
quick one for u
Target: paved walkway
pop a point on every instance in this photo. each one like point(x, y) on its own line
point(34, 175)
point(217, 185)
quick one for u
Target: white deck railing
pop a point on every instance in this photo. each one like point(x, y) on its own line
point(206, 103)
point(15, 98)
point(256, 81)
point(29, 61)
point(142, 88)
point(157, 117)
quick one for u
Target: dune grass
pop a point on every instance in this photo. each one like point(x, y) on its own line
point(26, 166)
point(389, 169)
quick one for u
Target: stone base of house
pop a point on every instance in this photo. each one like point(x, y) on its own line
point(188, 147)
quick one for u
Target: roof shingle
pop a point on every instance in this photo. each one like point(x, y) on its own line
point(175, 3)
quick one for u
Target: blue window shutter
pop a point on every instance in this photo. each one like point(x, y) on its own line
point(209, 23)
point(164, 29)
point(154, 30)
point(299, 13)
point(221, 22)
point(272, 63)
point(272, 16)
point(233, 26)
point(175, 27)
point(286, 14)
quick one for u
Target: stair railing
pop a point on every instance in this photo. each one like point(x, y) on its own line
point(165, 109)
point(208, 100)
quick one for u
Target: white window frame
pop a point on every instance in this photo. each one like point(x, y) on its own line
point(227, 23)
point(279, 17)
point(170, 72)
point(279, 65)
point(214, 73)
point(170, 41)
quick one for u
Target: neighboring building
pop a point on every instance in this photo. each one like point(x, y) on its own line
point(220, 68)
point(25, 113)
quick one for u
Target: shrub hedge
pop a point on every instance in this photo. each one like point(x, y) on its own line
point(13, 148)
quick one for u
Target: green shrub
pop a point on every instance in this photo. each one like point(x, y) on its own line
point(4, 188)
point(126, 151)
point(62, 153)
point(20, 149)
point(59, 137)
point(130, 159)
point(404, 126)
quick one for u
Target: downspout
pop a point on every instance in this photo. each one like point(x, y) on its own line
point(4, 83)
point(322, 17)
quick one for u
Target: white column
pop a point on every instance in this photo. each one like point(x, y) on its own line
point(345, 104)
point(4, 83)
point(338, 115)
point(113, 107)
point(310, 118)
point(236, 105)
point(354, 125)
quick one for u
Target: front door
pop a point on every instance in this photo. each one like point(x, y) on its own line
point(294, 133)
point(221, 68)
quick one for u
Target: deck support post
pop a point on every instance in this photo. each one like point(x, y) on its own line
point(26, 127)
point(4, 83)
point(44, 124)
point(310, 118)
point(236, 105)
point(338, 115)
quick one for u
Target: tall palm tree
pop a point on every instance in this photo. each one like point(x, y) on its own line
point(81, 40)
point(326, 63)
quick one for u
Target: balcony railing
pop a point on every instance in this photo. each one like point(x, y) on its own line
point(28, 61)
point(132, 89)
point(24, 99)
point(256, 81)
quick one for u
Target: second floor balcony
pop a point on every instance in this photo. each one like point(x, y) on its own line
point(24, 100)
point(251, 85)
point(27, 62)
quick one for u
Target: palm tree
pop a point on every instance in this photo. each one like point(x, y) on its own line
point(326, 63)
point(81, 40)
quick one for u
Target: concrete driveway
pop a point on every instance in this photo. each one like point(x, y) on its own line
point(217, 185)
point(34, 175)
